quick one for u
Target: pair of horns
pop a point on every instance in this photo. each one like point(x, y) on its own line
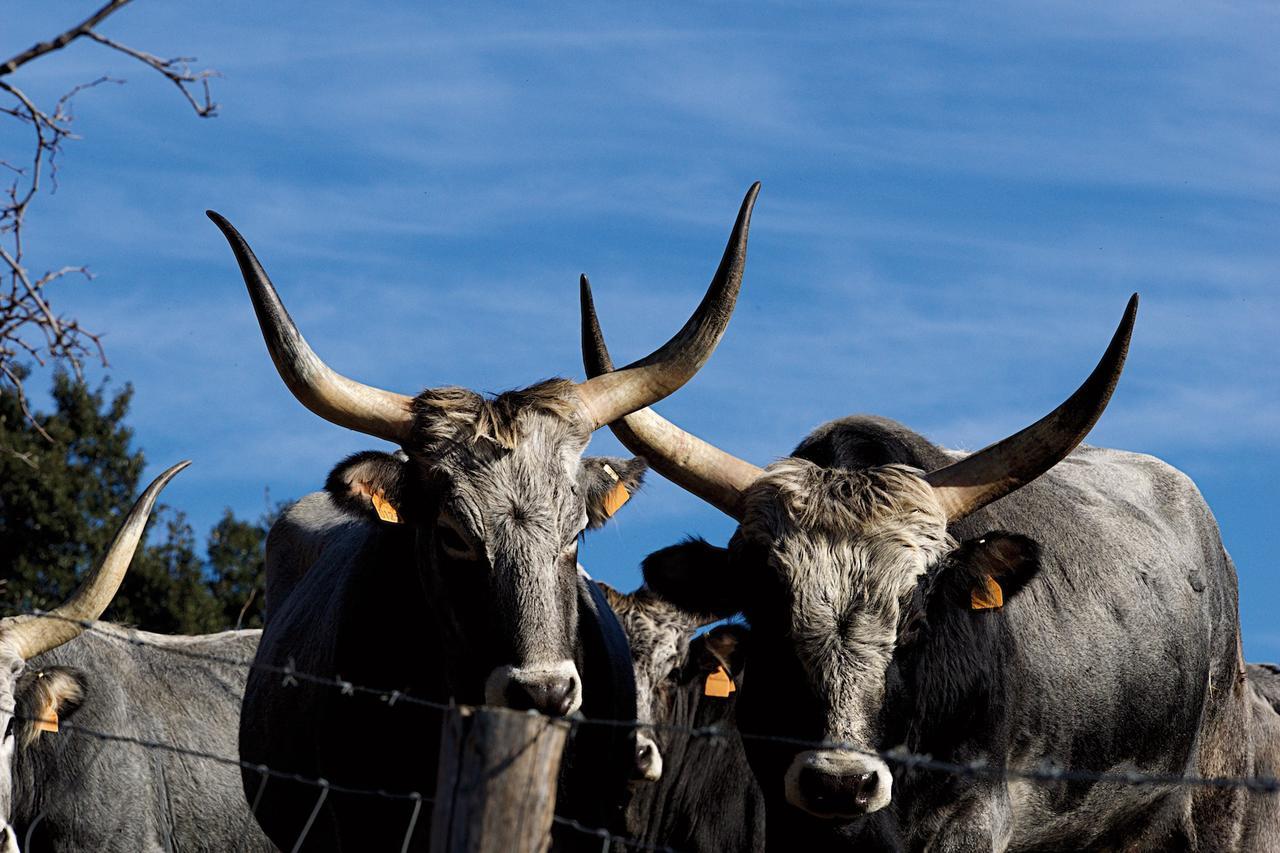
point(961, 488)
point(602, 399)
point(31, 635)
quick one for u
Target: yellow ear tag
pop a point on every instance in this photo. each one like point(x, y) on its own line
point(719, 684)
point(987, 595)
point(49, 724)
point(617, 497)
point(385, 510)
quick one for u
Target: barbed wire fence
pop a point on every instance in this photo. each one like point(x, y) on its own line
point(1047, 771)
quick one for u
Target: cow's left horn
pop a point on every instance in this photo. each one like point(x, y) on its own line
point(329, 394)
point(609, 396)
point(719, 478)
point(30, 635)
point(993, 472)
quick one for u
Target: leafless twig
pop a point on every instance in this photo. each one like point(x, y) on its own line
point(29, 327)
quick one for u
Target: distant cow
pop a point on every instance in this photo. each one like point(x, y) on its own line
point(1266, 678)
point(1090, 617)
point(66, 790)
point(466, 588)
point(695, 792)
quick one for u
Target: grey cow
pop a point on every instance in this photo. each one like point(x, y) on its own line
point(1090, 617)
point(69, 790)
point(694, 789)
point(464, 586)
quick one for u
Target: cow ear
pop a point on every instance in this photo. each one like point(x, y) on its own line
point(696, 577)
point(370, 484)
point(995, 567)
point(727, 645)
point(606, 483)
point(47, 697)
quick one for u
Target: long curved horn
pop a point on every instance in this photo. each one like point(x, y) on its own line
point(609, 396)
point(30, 635)
point(329, 394)
point(993, 472)
point(683, 458)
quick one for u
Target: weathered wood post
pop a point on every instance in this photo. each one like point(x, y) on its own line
point(496, 790)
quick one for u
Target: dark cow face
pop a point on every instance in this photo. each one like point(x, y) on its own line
point(659, 634)
point(827, 566)
point(499, 494)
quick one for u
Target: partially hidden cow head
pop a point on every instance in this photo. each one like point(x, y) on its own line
point(659, 634)
point(33, 701)
point(828, 566)
point(492, 485)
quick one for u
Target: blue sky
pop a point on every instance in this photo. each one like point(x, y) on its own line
point(957, 201)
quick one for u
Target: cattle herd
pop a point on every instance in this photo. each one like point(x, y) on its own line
point(1032, 647)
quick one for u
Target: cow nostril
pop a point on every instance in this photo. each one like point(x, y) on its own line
point(864, 788)
point(553, 696)
point(834, 794)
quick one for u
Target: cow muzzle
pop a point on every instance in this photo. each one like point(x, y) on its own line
point(8, 838)
point(838, 784)
point(648, 759)
point(553, 689)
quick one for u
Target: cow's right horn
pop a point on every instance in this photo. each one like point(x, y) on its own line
point(608, 396)
point(698, 466)
point(29, 635)
point(966, 486)
point(329, 394)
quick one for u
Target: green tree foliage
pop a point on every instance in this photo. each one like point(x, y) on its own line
point(62, 497)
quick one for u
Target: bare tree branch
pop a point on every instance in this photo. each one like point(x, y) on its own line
point(29, 326)
point(58, 42)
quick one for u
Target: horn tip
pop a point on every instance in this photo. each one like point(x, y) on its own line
point(171, 472)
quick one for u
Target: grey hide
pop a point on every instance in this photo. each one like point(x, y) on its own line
point(74, 792)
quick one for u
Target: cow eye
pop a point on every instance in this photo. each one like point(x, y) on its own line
point(452, 541)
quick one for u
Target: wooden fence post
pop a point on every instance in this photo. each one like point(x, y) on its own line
point(496, 790)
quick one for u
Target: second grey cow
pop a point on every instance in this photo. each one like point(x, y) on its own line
point(63, 786)
point(897, 597)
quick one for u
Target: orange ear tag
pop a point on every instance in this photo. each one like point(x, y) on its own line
point(617, 497)
point(385, 510)
point(49, 723)
point(986, 595)
point(719, 684)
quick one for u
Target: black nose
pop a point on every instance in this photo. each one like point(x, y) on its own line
point(552, 695)
point(844, 796)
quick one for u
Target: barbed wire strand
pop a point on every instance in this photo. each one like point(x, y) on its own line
point(1047, 771)
point(324, 785)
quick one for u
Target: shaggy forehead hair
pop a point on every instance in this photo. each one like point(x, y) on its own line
point(453, 417)
point(797, 494)
point(868, 517)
